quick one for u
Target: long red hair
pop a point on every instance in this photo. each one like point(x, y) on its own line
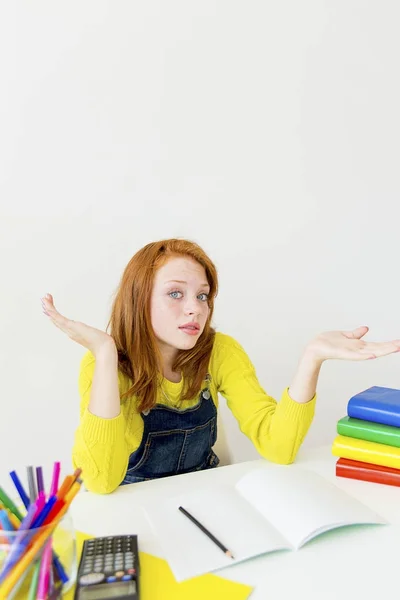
point(130, 324)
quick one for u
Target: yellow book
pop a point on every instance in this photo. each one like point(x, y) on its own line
point(365, 451)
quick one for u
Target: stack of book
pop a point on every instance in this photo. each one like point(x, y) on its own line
point(368, 441)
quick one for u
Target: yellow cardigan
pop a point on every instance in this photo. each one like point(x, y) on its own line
point(102, 446)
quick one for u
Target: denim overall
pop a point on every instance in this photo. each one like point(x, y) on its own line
point(175, 441)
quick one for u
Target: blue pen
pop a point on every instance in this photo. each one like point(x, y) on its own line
point(44, 512)
point(60, 569)
point(6, 525)
point(5, 521)
point(22, 494)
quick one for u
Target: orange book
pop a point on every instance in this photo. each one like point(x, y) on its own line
point(354, 469)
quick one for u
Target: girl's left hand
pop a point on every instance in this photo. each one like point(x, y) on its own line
point(348, 345)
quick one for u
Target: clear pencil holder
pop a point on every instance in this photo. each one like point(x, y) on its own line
point(53, 567)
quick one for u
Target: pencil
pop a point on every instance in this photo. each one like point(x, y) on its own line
point(208, 533)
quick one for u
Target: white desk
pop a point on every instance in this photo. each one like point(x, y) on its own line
point(344, 564)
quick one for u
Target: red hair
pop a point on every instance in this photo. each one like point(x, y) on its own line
point(130, 323)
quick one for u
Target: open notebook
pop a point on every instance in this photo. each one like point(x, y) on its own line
point(269, 509)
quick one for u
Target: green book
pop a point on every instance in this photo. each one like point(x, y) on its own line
point(368, 430)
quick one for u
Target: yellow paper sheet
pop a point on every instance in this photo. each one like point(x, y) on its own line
point(158, 583)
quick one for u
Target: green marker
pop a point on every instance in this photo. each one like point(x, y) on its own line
point(34, 581)
point(8, 503)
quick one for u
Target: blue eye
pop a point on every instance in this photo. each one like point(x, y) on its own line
point(203, 297)
point(175, 295)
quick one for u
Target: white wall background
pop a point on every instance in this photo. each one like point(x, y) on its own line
point(266, 131)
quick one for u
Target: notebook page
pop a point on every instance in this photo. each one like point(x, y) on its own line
point(226, 515)
point(300, 503)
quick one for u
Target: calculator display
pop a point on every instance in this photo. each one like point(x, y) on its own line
point(109, 590)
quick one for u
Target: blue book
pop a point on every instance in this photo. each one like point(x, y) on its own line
point(376, 404)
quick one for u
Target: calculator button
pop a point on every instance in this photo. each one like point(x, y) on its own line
point(126, 578)
point(119, 573)
point(91, 578)
point(131, 571)
point(111, 579)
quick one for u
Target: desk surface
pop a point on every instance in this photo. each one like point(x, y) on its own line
point(345, 564)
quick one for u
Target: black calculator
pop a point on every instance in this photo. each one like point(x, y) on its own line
point(109, 568)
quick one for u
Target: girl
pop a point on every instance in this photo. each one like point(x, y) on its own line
point(149, 389)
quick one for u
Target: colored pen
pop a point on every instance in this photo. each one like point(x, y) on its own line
point(39, 519)
point(44, 573)
point(19, 543)
point(5, 521)
point(13, 519)
point(39, 479)
point(34, 581)
point(38, 542)
point(54, 479)
point(6, 525)
point(31, 484)
point(8, 503)
point(39, 503)
point(42, 519)
point(20, 489)
point(66, 484)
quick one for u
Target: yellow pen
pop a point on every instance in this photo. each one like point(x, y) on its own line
point(13, 520)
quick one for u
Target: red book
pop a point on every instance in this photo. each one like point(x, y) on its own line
point(354, 469)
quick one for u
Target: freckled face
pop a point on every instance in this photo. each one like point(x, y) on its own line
point(179, 303)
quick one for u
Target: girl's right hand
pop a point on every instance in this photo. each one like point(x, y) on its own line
point(89, 337)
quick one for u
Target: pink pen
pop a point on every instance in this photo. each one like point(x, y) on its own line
point(54, 480)
point(44, 573)
point(40, 502)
